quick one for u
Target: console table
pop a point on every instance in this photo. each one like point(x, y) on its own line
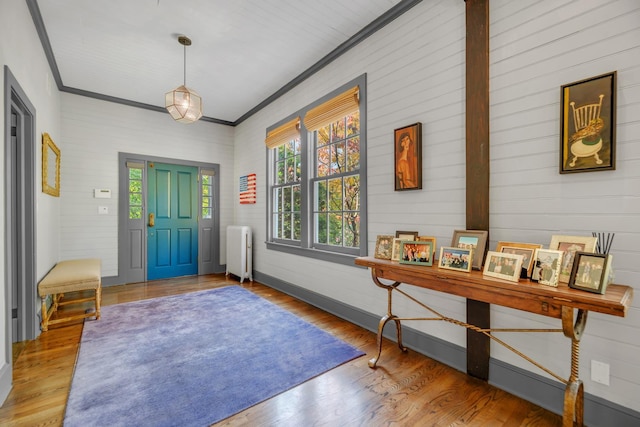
point(562, 303)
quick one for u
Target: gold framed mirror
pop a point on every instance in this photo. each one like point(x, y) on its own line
point(50, 166)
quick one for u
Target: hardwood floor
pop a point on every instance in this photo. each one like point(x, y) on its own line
point(407, 389)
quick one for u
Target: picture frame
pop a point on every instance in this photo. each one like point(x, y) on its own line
point(477, 239)
point(527, 250)
point(459, 259)
point(384, 246)
point(590, 272)
point(588, 124)
point(396, 251)
point(502, 265)
point(408, 157)
point(546, 266)
point(407, 235)
point(433, 241)
point(50, 166)
point(417, 252)
point(570, 245)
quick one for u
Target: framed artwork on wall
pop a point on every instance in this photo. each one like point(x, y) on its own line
point(50, 166)
point(588, 124)
point(408, 157)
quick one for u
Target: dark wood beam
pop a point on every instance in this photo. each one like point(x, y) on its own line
point(477, 170)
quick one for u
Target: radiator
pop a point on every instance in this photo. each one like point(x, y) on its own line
point(239, 252)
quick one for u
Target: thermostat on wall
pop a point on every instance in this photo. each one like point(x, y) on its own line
point(102, 193)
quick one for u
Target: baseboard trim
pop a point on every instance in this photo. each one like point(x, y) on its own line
point(517, 381)
point(6, 381)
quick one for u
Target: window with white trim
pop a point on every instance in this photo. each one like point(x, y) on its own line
point(317, 178)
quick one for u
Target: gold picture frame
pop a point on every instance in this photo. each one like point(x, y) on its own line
point(50, 166)
point(384, 246)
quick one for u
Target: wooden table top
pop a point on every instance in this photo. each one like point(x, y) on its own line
point(524, 295)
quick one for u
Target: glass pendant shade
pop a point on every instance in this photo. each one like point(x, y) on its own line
point(184, 104)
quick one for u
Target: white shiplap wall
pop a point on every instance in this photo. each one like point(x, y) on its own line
point(535, 48)
point(415, 70)
point(93, 133)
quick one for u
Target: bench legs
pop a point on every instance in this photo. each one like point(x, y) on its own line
point(57, 301)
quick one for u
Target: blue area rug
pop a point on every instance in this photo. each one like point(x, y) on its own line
point(193, 359)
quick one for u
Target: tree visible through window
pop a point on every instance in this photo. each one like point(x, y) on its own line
point(317, 202)
point(337, 183)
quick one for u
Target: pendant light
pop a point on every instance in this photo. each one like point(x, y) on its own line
point(184, 104)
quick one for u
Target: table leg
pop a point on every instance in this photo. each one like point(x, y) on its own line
point(574, 392)
point(385, 319)
point(381, 324)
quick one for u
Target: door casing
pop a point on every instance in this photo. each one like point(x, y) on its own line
point(208, 231)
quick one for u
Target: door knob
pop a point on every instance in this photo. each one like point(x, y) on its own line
point(152, 219)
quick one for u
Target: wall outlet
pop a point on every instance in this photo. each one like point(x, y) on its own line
point(600, 372)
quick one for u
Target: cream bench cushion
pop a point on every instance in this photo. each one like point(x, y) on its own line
point(69, 276)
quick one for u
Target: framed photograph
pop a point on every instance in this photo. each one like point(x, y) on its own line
point(396, 251)
point(590, 272)
point(588, 125)
point(527, 251)
point(50, 166)
point(407, 235)
point(503, 266)
point(384, 247)
point(471, 239)
point(455, 258)
point(433, 245)
point(408, 157)
point(416, 252)
point(570, 245)
point(546, 266)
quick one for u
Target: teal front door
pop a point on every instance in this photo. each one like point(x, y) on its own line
point(172, 221)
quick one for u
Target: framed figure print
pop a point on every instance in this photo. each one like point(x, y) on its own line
point(546, 266)
point(408, 157)
point(525, 249)
point(416, 252)
point(503, 266)
point(570, 245)
point(383, 247)
point(590, 272)
point(588, 124)
point(471, 239)
point(455, 258)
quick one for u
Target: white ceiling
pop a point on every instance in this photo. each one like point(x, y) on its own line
point(243, 51)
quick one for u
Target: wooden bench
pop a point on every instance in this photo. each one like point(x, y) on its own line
point(70, 276)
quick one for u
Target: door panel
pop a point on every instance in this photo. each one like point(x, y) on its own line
point(173, 233)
